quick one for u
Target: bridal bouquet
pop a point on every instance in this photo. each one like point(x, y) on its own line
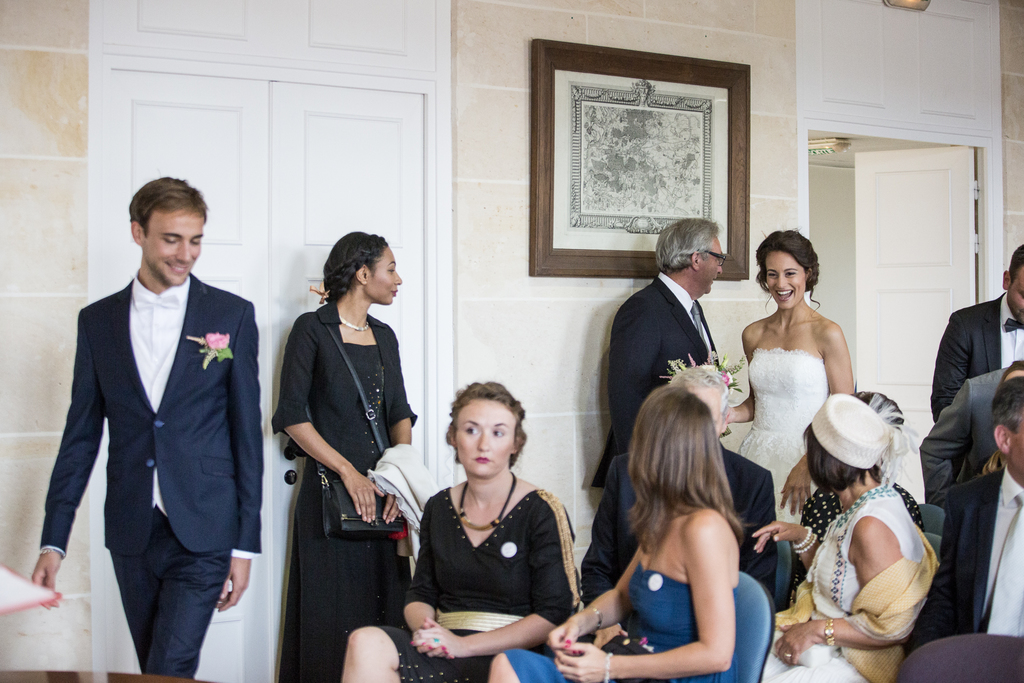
point(719, 363)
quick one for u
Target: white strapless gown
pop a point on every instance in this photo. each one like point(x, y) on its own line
point(789, 387)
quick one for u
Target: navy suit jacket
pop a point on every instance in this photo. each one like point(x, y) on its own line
point(650, 329)
point(206, 438)
point(956, 601)
point(970, 346)
point(612, 543)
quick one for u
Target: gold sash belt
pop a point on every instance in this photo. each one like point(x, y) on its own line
point(475, 621)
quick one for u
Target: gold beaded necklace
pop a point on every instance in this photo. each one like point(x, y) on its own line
point(489, 525)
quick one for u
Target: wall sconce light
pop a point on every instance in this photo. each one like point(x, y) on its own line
point(919, 5)
point(827, 146)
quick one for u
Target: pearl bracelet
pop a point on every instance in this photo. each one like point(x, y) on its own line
point(803, 546)
point(600, 618)
point(608, 667)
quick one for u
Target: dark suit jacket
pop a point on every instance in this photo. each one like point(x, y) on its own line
point(612, 543)
point(956, 601)
point(650, 329)
point(206, 438)
point(970, 346)
point(962, 441)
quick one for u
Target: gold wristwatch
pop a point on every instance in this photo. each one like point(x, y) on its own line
point(830, 633)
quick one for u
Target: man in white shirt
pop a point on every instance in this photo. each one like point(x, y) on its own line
point(661, 322)
point(979, 587)
point(981, 338)
point(170, 364)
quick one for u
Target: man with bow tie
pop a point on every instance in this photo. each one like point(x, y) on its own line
point(171, 364)
point(981, 338)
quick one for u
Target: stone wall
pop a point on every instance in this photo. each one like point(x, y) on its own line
point(43, 265)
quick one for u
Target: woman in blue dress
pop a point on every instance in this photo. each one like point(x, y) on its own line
point(683, 578)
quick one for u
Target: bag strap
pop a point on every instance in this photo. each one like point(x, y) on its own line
point(370, 413)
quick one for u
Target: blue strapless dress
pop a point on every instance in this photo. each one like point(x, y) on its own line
point(665, 610)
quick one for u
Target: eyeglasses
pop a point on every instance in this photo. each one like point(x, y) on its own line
point(720, 257)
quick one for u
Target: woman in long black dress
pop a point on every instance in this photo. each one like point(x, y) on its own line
point(338, 585)
point(495, 569)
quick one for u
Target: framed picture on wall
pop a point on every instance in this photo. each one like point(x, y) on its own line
point(623, 143)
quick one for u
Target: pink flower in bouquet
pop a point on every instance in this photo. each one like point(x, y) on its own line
point(217, 341)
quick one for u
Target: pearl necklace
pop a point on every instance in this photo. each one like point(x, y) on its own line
point(354, 327)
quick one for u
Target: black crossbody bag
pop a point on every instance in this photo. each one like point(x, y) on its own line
point(339, 511)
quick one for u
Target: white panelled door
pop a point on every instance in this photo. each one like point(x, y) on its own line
point(335, 160)
point(915, 266)
point(212, 132)
point(344, 159)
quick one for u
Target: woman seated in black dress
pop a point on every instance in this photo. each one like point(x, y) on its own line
point(495, 570)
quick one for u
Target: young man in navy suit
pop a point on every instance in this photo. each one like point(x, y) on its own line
point(171, 365)
point(661, 322)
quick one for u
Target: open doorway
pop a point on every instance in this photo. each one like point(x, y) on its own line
point(894, 225)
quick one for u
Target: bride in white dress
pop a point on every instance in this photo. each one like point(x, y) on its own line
point(796, 358)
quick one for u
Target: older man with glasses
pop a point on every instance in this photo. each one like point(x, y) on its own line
point(661, 322)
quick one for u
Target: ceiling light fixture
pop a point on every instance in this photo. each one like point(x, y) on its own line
point(919, 5)
point(827, 146)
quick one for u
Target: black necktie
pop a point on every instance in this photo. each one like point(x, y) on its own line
point(1010, 325)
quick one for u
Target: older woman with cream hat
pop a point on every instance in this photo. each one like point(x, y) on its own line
point(868, 576)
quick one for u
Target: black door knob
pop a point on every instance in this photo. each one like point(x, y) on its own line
point(290, 477)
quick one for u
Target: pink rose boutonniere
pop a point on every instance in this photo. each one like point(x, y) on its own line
point(213, 345)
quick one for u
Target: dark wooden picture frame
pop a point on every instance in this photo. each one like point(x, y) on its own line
point(547, 57)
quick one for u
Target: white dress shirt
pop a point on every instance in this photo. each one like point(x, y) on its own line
point(154, 323)
point(688, 303)
point(1011, 344)
point(1008, 490)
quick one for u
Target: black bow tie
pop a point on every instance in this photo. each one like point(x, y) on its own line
point(1010, 325)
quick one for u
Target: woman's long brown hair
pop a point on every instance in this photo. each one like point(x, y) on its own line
point(675, 464)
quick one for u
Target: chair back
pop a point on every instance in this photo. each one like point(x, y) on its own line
point(936, 542)
point(755, 624)
point(783, 575)
point(933, 517)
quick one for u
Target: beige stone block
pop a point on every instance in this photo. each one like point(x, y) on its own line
point(45, 23)
point(23, 486)
point(548, 459)
point(776, 18)
point(734, 15)
point(629, 8)
point(773, 145)
point(551, 354)
point(43, 226)
point(625, 34)
point(591, 435)
point(1011, 39)
point(493, 134)
point(768, 215)
point(1013, 234)
point(43, 103)
point(1013, 176)
point(772, 61)
point(1013, 107)
point(492, 42)
point(492, 243)
point(48, 640)
point(37, 369)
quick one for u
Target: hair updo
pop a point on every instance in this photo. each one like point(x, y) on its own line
point(489, 391)
point(350, 253)
point(796, 245)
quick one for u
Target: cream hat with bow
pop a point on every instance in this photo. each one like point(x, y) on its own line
point(852, 432)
